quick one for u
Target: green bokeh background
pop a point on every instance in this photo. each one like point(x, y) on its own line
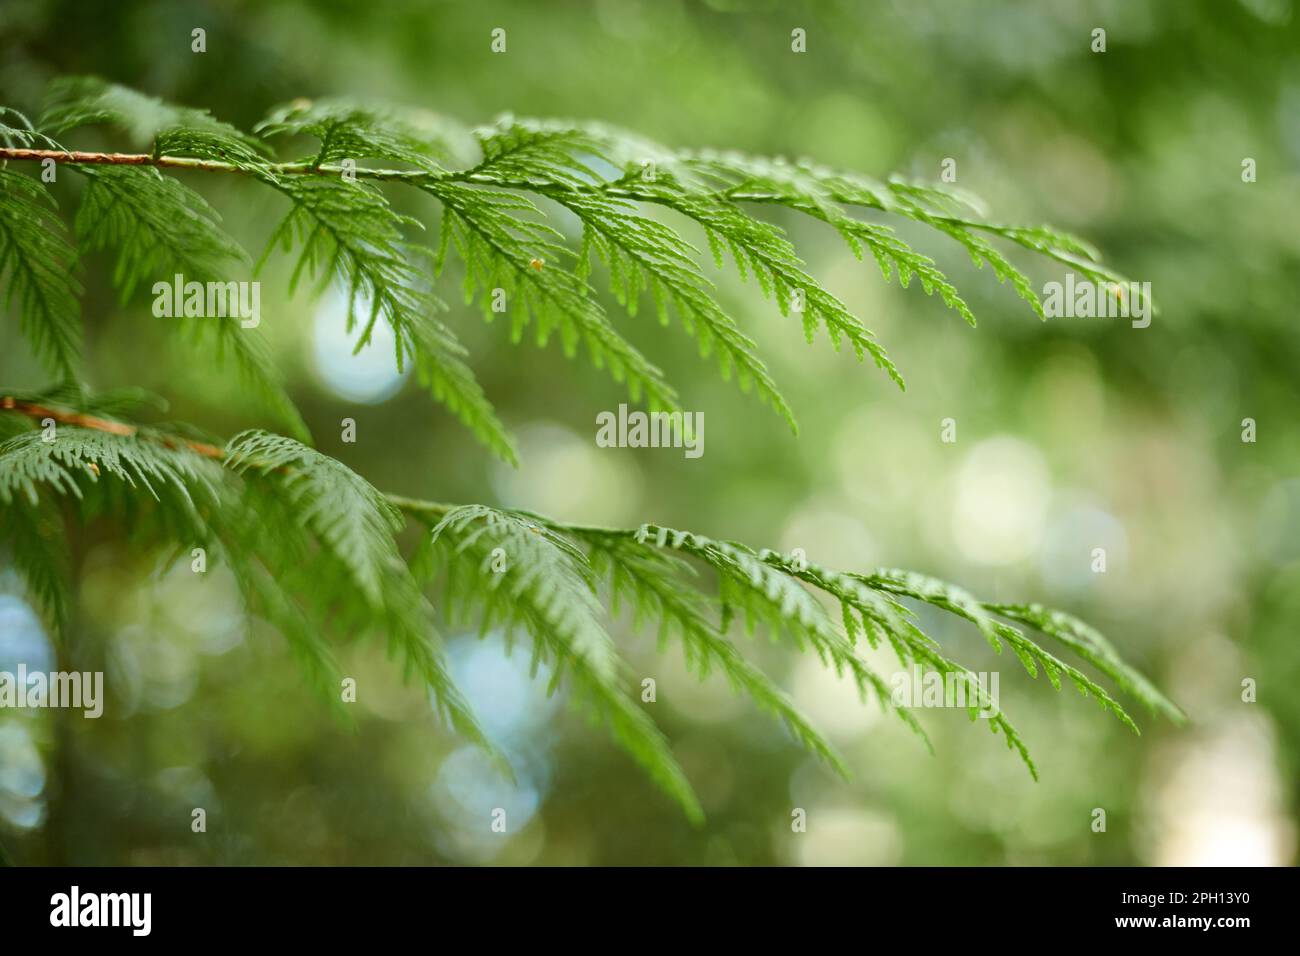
point(1072, 435)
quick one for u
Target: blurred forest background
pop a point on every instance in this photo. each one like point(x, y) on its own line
point(1073, 434)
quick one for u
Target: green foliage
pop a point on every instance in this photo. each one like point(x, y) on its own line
point(349, 233)
point(344, 511)
point(76, 455)
point(158, 225)
point(162, 228)
point(310, 544)
point(824, 194)
point(18, 131)
point(34, 537)
point(761, 249)
point(546, 589)
point(74, 102)
point(313, 547)
point(504, 251)
point(649, 581)
point(642, 255)
point(348, 131)
point(1032, 657)
point(1093, 647)
point(37, 265)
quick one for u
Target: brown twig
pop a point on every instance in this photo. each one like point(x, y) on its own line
point(413, 506)
point(83, 158)
point(32, 410)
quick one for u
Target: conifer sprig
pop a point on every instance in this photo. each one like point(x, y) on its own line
point(349, 234)
point(502, 250)
point(513, 261)
point(38, 268)
point(160, 228)
point(170, 130)
point(314, 550)
point(264, 506)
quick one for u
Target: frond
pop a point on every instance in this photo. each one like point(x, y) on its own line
point(157, 224)
point(19, 131)
point(644, 256)
point(308, 589)
point(38, 266)
point(348, 233)
point(161, 228)
point(600, 174)
point(441, 367)
point(78, 456)
point(524, 259)
point(73, 102)
point(955, 600)
point(761, 248)
point(298, 563)
point(822, 194)
point(37, 546)
point(764, 595)
point(350, 131)
point(344, 510)
point(982, 251)
point(769, 588)
point(313, 546)
point(545, 588)
point(650, 583)
point(1092, 646)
